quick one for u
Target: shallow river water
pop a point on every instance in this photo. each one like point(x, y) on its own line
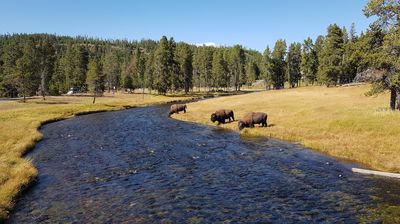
point(139, 166)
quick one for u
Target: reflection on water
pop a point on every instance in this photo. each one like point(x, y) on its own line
point(138, 166)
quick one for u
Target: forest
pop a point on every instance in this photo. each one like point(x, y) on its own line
point(47, 64)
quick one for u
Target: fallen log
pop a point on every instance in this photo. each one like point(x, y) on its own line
point(377, 173)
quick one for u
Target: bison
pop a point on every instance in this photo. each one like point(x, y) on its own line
point(222, 115)
point(175, 108)
point(252, 118)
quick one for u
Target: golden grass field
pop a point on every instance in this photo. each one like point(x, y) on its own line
point(18, 132)
point(341, 121)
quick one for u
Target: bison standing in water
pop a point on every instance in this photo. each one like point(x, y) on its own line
point(252, 118)
point(175, 108)
point(222, 115)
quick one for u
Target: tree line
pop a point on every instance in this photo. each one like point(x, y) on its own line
point(49, 64)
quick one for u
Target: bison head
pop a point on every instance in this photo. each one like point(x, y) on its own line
point(213, 117)
point(241, 125)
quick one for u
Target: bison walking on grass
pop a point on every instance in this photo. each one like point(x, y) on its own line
point(252, 118)
point(175, 108)
point(222, 115)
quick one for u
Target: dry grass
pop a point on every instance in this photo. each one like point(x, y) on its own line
point(341, 122)
point(18, 132)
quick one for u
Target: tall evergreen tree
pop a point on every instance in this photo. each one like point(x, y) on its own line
point(126, 73)
point(46, 57)
point(196, 63)
point(150, 71)
point(12, 52)
point(25, 74)
point(330, 69)
point(140, 69)
point(95, 78)
point(185, 57)
point(278, 64)
point(267, 63)
point(175, 76)
point(162, 66)
point(293, 61)
point(252, 72)
point(388, 19)
point(319, 46)
point(309, 62)
point(237, 66)
point(111, 69)
point(353, 33)
point(219, 69)
point(74, 64)
point(206, 70)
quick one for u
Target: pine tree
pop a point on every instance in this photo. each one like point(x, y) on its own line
point(278, 64)
point(25, 75)
point(330, 68)
point(74, 64)
point(251, 72)
point(345, 35)
point(206, 66)
point(293, 61)
point(388, 19)
point(309, 62)
point(95, 78)
point(237, 66)
point(267, 62)
point(350, 62)
point(196, 63)
point(46, 57)
point(175, 77)
point(162, 66)
point(353, 33)
point(127, 82)
point(126, 74)
point(149, 72)
point(140, 69)
point(111, 69)
point(11, 53)
point(57, 83)
point(219, 69)
point(185, 57)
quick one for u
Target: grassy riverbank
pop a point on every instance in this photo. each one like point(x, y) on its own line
point(341, 122)
point(18, 132)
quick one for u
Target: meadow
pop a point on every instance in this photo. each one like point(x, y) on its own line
point(342, 122)
point(19, 123)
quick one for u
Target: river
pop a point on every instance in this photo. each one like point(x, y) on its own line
point(139, 166)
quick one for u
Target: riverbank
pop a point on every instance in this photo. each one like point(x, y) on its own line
point(341, 122)
point(19, 131)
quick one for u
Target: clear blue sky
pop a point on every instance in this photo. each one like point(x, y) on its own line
point(252, 23)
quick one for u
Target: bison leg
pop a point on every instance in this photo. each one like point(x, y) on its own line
point(184, 110)
point(265, 122)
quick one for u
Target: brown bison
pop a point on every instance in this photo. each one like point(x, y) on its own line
point(222, 115)
point(175, 108)
point(252, 118)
